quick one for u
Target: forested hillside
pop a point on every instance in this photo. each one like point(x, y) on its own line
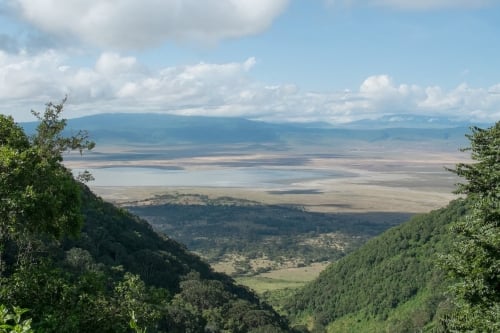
point(437, 272)
point(391, 284)
point(78, 264)
point(118, 266)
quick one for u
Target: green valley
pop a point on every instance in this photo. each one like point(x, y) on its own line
point(245, 238)
point(249, 166)
point(331, 252)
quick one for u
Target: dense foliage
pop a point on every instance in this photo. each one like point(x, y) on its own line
point(82, 265)
point(370, 284)
point(39, 195)
point(395, 283)
point(475, 259)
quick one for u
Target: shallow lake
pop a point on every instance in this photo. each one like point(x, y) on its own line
point(230, 177)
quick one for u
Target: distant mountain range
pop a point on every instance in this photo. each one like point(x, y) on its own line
point(122, 128)
point(411, 121)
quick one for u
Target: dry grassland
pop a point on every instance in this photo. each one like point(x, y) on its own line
point(282, 278)
point(385, 181)
point(399, 183)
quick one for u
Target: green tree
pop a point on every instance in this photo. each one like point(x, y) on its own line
point(475, 260)
point(13, 322)
point(39, 195)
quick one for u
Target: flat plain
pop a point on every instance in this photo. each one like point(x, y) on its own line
point(371, 177)
point(374, 178)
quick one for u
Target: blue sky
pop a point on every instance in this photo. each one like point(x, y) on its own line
point(276, 60)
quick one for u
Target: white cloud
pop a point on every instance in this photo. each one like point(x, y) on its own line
point(22, 76)
point(117, 83)
point(111, 64)
point(378, 84)
point(124, 24)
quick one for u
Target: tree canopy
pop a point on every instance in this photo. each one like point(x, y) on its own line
point(117, 274)
point(38, 192)
point(475, 259)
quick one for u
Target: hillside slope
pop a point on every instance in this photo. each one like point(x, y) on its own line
point(70, 262)
point(117, 270)
point(392, 283)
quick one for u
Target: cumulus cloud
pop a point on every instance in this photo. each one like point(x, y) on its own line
point(126, 24)
point(116, 83)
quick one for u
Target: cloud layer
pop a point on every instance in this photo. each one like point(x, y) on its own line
point(129, 24)
point(118, 83)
